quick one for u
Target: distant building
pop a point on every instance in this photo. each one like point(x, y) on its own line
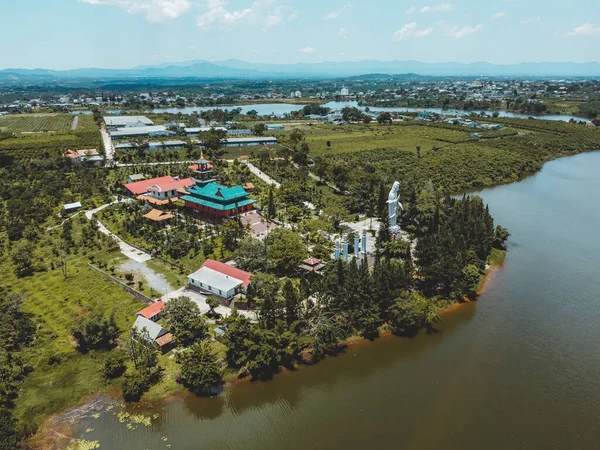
point(216, 201)
point(127, 121)
point(203, 171)
point(250, 141)
point(220, 279)
point(70, 207)
point(274, 127)
point(312, 265)
point(344, 92)
point(158, 216)
point(152, 131)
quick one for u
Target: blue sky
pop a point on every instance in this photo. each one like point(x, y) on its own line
point(61, 34)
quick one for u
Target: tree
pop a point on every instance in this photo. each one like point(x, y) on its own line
point(95, 331)
point(212, 302)
point(271, 210)
point(22, 258)
point(114, 365)
point(251, 255)
point(134, 386)
point(384, 117)
point(471, 276)
point(296, 136)
point(186, 322)
point(285, 250)
point(259, 129)
point(411, 312)
point(236, 338)
point(17, 328)
point(200, 368)
point(292, 301)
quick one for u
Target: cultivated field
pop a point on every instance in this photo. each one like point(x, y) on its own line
point(36, 123)
point(34, 136)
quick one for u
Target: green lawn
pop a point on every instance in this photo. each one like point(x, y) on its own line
point(35, 123)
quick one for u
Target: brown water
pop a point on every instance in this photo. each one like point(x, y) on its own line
point(519, 369)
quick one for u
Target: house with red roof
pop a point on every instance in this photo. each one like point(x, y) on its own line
point(219, 279)
point(160, 190)
point(152, 312)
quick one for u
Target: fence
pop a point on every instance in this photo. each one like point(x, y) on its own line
point(125, 287)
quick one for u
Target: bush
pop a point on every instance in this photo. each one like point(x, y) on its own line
point(95, 332)
point(114, 366)
point(134, 387)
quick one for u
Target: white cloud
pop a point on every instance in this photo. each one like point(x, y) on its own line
point(458, 32)
point(531, 20)
point(153, 10)
point(307, 50)
point(442, 7)
point(410, 30)
point(335, 14)
point(585, 30)
point(498, 15)
point(411, 10)
point(258, 13)
point(344, 33)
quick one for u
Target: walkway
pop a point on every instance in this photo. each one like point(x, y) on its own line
point(153, 163)
point(128, 250)
point(75, 122)
point(109, 150)
point(267, 179)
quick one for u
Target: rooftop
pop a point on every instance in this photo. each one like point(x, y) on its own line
point(156, 215)
point(229, 270)
point(123, 121)
point(150, 311)
point(219, 192)
point(141, 187)
point(215, 279)
point(154, 330)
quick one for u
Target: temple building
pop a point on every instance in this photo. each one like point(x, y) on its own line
point(203, 171)
point(216, 201)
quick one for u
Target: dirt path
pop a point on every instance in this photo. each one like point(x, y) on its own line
point(75, 122)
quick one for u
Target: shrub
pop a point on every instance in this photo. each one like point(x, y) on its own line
point(114, 366)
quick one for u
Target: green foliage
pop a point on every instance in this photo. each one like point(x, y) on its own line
point(134, 386)
point(200, 368)
point(185, 321)
point(285, 250)
point(251, 255)
point(114, 366)
point(22, 258)
point(411, 312)
point(95, 331)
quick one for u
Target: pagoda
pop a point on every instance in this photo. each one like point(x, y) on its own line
point(216, 201)
point(312, 265)
point(203, 171)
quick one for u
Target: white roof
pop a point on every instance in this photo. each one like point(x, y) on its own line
point(154, 330)
point(72, 205)
point(216, 280)
point(133, 131)
point(123, 121)
point(203, 129)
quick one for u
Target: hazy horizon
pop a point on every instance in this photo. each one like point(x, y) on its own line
point(121, 34)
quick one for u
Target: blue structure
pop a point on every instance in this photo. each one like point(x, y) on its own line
point(345, 250)
point(356, 249)
point(337, 250)
point(364, 242)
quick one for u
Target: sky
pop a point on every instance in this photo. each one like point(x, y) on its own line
point(66, 34)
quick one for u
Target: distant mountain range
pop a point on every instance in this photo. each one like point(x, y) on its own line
point(234, 68)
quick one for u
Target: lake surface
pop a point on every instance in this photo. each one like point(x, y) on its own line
point(455, 112)
point(518, 369)
point(263, 109)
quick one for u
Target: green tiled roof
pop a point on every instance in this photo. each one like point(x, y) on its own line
point(226, 193)
point(218, 206)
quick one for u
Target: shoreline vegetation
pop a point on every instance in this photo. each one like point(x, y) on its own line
point(58, 428)
point(431, 160)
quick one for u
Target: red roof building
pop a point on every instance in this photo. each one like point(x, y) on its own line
point(228, 270)
point(160, 188)
point(152, 312)
point(312, 264)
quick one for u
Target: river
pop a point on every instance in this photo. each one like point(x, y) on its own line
point(517, 369)
point(263, 109)
point(453, 112)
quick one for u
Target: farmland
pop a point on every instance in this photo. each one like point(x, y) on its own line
point(49, 135)
point(36, 123)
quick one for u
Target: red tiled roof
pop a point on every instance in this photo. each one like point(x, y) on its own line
point(228, 270)
point(151, 310)
point(164, 339)
point(197, 166)
point(173, 184)
point(312, 261)
point(141, 187)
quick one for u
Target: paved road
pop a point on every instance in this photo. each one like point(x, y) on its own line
point(109, 150)
point(267, 179)
point(263, 176)
point(129, 251)
point(153, 163)
point(62, 223)
point(75, 122)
